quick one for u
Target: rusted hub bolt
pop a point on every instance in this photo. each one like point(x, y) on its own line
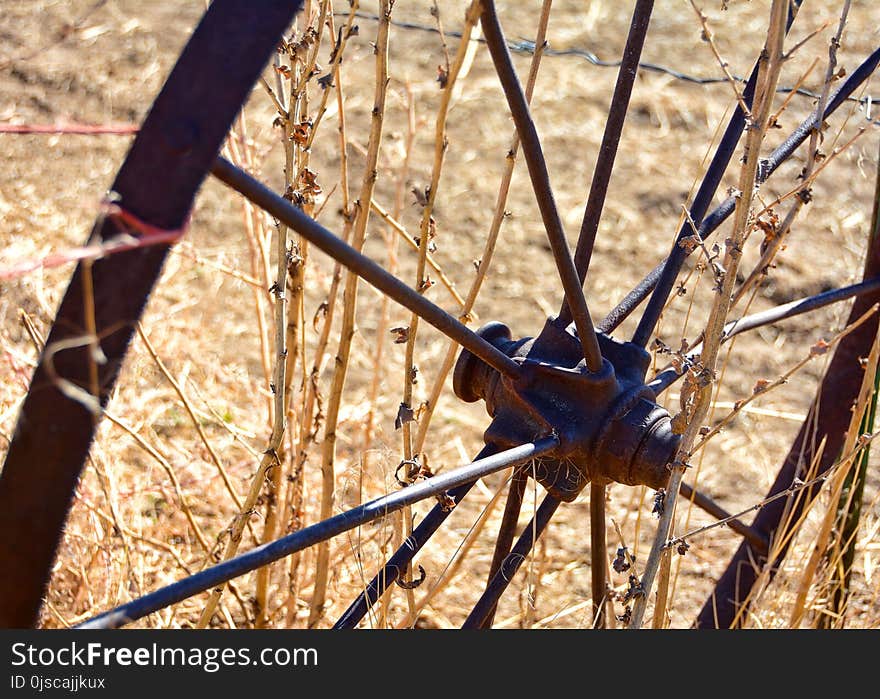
point(608, 422)
point(471, 376)
point(635, 448)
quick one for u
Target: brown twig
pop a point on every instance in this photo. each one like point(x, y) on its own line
point(499, 215)
point(422, 283)
point(328, 460)
point(802, 193)
point(769, 68)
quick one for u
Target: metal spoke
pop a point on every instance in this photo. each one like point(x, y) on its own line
point(626, 77)
point(667, 377)
point(361, 265)
point(506, 531)
point(399, 561)
point(796, 308)
point(669, 268)
point(598, 557)
point(489, 600)
point(707, 190)
point(322, 531)
point(537, 166)
point(401, 558)
point(704, 502)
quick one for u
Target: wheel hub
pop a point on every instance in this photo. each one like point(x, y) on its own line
point(609, 424)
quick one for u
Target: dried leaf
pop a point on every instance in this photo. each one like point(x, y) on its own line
point(446, 501)
point(401, 334)
point(634, 590)
point(300, 133)
point(689, 243)
point(308, 183)
point(659, 500)
point(421, 195)
point(760, 386)
point(321, 312)
point(405, 414)
point(620, 564)
point(821, 347)
point(442, 76)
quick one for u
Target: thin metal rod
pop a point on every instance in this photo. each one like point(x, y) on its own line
point(322, 531)
point(598, 554)
point(361, 265)
point(669, 376)
point(707, 504)
point(489, 599)
point(398, 564)
point(626, 77)
point(670, 268)
point(703, 198)
point(540, 177)
point(400, 560)
point(506, 531)
point(796, 308)
point(701, 203)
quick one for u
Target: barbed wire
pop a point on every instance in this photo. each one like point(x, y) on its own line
point(526, 46)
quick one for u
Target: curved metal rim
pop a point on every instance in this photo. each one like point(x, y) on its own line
point(170, 157)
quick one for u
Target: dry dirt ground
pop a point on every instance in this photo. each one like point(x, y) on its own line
point(104, 62)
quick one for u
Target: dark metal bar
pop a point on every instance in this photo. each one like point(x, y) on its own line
point(361, 265)
point(156, 184)
point(397, 564)
point(711, 222)
point(707, 190)
point(796, 308)
point(506, 531)
point(667, 377)
point(322, 531)
point(598, 555)
point(626, 77)
point(534, 157)
point(489, 600)
point(707, 504)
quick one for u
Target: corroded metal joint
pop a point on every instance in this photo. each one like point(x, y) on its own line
point(635, 447)
point(608, 422)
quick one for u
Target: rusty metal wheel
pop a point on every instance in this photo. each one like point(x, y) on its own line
point(573, 409)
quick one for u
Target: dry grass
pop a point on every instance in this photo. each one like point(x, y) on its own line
point(153, 503)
